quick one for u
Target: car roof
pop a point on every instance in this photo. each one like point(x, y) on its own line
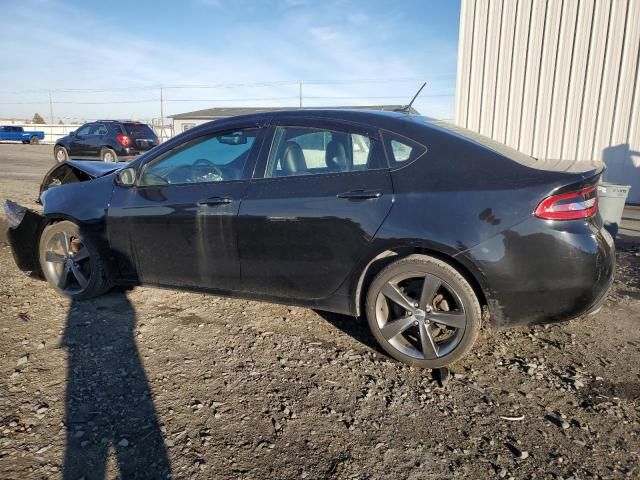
point(118, 121)
point(377, 118)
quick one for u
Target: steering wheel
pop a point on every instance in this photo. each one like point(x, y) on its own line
point(213, 173)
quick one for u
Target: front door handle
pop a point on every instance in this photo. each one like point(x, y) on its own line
point(214, 201)
point(359, 195)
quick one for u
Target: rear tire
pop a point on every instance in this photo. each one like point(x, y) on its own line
point(34, 141)
point(71, 262)
point(60, 154)
point(423, 312)
point(108, 155)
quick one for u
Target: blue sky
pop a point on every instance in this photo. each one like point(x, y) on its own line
point(352, 48)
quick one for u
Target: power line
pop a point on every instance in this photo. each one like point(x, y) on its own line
point(215, 100)
point(229, 85)
point(379, 97)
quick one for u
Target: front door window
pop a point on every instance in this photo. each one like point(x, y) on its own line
point(217, 158)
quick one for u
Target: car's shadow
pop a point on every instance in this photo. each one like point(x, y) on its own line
point(109, 406)
point(354, 327)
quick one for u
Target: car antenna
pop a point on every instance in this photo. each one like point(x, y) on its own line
point(407, 108)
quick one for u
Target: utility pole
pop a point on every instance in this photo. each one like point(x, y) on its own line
point(51, 108)
point(161, 116)
point(300, 93)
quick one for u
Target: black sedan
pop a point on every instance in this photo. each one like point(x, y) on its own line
point(426, 229)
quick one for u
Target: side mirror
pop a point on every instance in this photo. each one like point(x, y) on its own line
point(72, 133)
point(126, 177)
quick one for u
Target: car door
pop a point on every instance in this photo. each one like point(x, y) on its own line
point(321, 193)
point(96, 139)
point(78, 144)
point(17, 133)
point(178, 221)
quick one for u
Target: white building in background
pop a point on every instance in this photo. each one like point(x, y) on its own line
point(555, 79)
point(184, 121)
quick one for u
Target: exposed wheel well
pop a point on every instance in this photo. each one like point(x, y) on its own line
point(385, 258)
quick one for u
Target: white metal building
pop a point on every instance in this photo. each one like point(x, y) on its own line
point(555, 79)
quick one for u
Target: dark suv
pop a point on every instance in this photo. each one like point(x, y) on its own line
point(106, 140)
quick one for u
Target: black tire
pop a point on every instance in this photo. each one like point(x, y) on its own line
point(423, 275)
point(34, 141)
point(58, 261)
point(25, 142)
point(108, 155)
point(60, 154)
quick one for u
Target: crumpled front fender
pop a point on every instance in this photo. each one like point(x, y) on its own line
point(25, 226)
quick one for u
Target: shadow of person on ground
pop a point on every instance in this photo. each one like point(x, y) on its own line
point(108, 400)
point(354, 327)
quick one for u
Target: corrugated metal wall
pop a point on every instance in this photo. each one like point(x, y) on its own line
point(555, 79)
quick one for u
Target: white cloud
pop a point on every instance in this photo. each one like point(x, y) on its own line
point(61, 48)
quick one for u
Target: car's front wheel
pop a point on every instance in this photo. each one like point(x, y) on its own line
point(108, 155)
point(60, 153)
point(423, 312)
point(34, 140)
point(71, 263)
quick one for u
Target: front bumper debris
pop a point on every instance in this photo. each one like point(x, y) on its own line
point(25, 226)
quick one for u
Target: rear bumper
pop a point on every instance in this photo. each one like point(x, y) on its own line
point(24, 231)
point(543, 271)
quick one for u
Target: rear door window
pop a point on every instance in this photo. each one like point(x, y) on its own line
point(311, 151)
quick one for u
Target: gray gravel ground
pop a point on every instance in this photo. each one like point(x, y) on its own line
point(146, 383)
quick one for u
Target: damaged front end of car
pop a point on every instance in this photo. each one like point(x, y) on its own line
point(25, 224)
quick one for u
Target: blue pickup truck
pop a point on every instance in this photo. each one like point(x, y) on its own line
point(18, 134)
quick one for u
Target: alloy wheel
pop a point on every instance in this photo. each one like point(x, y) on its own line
point(66, 260)
point(108, 157)
point(420, 315)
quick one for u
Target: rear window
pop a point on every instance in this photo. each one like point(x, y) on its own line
point(487, 142)
point(139, 130)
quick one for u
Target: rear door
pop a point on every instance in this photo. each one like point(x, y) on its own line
point(97, 139)
point(320, 193)
point(17, 133)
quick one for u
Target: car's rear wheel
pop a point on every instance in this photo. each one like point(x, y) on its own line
point(34, 141)
point(423, 312)
point(60, 153)
point(108, 155)
point(71, 263)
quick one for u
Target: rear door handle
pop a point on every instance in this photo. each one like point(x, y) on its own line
point(359, 195)
point(214, 201)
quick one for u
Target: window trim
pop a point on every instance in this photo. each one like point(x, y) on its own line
point(373, 133)
point(247, 171)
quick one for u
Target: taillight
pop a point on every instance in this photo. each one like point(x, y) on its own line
point(124, 140)
point(569, 206)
